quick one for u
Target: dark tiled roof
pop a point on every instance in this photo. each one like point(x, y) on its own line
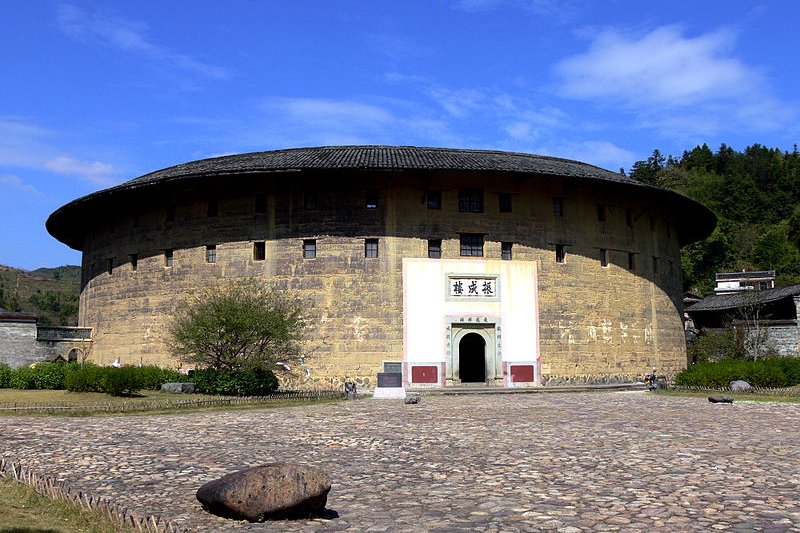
point(382, 158)
point(69, 223)
point(722, 302)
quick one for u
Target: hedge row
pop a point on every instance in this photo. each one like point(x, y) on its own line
point(129, 380)
point(229, 383)
point(86, 378)
point(124, 381)
point(767, 373)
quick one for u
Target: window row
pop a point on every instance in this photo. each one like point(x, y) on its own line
point(470, 245)
point(470, 200)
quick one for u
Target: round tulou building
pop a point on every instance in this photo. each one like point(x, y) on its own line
point(450, 266)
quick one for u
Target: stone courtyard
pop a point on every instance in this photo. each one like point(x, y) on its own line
point(570, 462)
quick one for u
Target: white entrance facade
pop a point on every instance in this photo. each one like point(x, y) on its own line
point(470, 322)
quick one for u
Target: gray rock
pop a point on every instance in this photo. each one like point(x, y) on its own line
point(273, 492)
point(177, 387)
point(412, 398)
point(720, 399)
point(740, 386)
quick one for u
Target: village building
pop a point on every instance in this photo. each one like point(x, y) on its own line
point(770, 313)
point(23, 342)
point(452, 266)
point(727, 282)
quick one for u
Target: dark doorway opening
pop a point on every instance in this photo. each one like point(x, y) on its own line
point(472, 359)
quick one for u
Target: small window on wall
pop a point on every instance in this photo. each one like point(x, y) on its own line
point(371, 199)
point(134, 262)
point(472, 245)
point(631, 261)
point(601, 213)
point(213, 208)
point(168, 258)
point(110, 266)
point(505, 251)
point(558, 207)
point(470, 200)
point(561, 253)
point(434, 199)
point(211, 253)
point(309, 249)
point(370, 247)
point(434, 248)
point(603, 257)
point(505, 202)
point(259, 251)
point(655, 265)
point(261, 204)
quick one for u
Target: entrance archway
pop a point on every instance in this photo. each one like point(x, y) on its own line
point(472, 359)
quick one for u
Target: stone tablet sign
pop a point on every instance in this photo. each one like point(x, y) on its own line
point(390, 379)
point(480, 287)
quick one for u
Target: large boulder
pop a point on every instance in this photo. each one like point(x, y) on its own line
point(272, 491)
point(740, 386)
point(178, 387)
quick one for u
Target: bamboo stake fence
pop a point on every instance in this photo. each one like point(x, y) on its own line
point(162, 403)
point(46, 486)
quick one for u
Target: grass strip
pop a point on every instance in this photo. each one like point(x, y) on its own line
point(22, 510)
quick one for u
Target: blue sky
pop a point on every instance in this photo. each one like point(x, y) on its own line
point(96, 93)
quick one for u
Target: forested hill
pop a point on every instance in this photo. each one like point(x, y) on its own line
point(756, 196)
point(51, 293)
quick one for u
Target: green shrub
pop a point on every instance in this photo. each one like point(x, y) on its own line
point(5, 375)
point(768, 373)
point(125, 381)
point(22, 378)
point(152, 377)
point(230, 383)
point(716, 346)
point(49, 375)
point(86, 378)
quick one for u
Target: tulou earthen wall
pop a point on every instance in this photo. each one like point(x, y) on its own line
point(597, 323)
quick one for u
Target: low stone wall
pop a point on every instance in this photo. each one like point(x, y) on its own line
point(46, 486)
point(785, 339)
point(18, 343)
point(23, 343)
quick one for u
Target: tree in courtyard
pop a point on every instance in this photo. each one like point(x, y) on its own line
point(240, 326)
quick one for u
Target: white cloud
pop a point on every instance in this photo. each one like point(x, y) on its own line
point(130, 36)
point(310, 121)
point(15, 183)
point(674, 83)
point(663, 67)
point(604, 154)
point(27, 145)
point(94, 171)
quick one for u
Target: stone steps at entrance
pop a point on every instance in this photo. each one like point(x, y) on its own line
point(477, 389)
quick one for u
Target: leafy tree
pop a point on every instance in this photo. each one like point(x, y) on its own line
point(756, 197)
point(241, 326)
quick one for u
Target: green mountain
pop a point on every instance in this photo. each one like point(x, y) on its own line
point(51, 293)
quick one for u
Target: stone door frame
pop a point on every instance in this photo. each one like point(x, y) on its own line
point(457, 329)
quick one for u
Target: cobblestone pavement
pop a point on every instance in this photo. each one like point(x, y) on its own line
point(529, 462)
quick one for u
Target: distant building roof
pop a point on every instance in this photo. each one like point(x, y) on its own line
point(721, 302)
point(14, 316)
